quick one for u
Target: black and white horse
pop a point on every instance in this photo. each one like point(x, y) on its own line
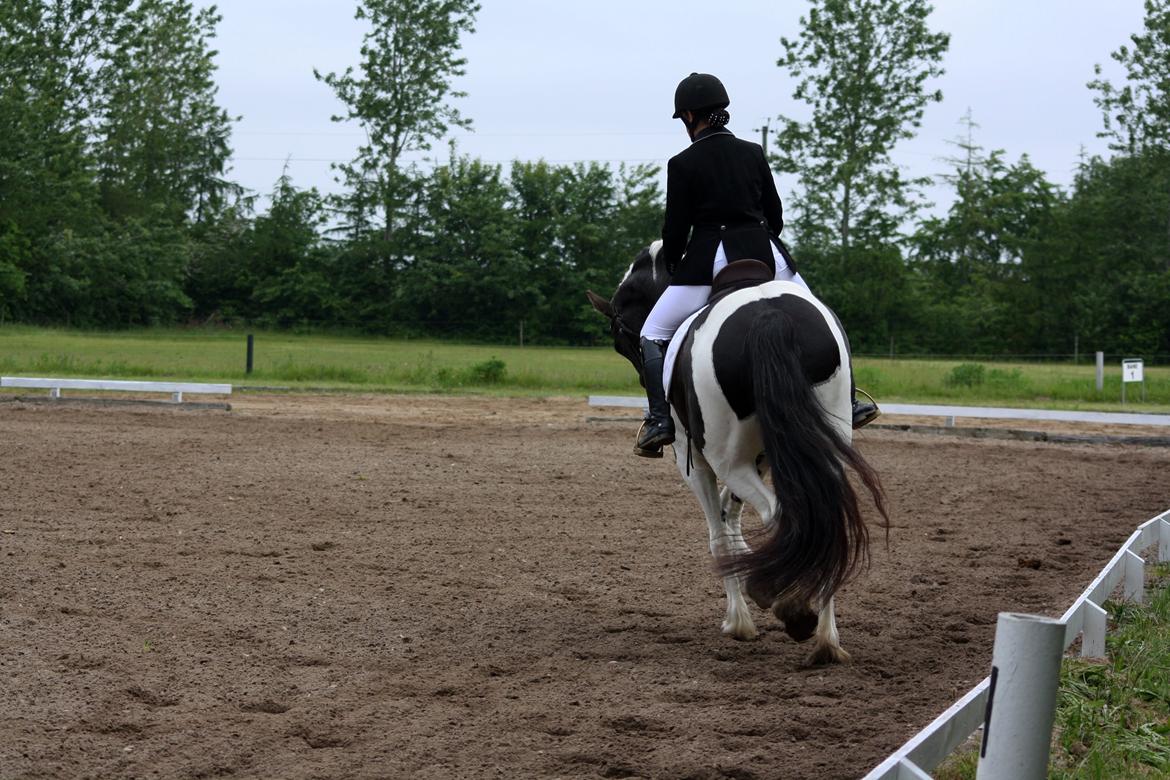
point(763, 377)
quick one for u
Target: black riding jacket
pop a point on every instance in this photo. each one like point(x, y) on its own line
point(718, 189)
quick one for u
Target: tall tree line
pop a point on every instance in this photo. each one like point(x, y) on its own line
point(117, 208)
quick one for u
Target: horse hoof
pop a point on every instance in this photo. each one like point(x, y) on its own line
point(739, 632)
point(799, 623)
point(825, 655)
point(801, 627)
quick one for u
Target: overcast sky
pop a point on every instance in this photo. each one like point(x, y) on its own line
point(594, 80)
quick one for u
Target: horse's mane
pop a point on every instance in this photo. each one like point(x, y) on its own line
point(642, 286)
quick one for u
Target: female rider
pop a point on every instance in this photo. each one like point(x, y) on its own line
point(720, 193)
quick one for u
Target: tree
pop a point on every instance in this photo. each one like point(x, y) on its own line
point(466, 275)
point(290, 265)
point(974, 262)
point(410, 58)
point(161, 138)
point(1128, 198)
point(46, 51)
point(1137, 115)
point(1101, 276)
point(861, 66)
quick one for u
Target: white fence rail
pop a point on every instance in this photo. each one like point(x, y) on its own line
point(1085, 618)
point(55, 386)
point(951, 412)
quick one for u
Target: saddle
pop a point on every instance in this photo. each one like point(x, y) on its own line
point(738, 276)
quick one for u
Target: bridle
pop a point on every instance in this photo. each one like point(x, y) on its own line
point(625, 329)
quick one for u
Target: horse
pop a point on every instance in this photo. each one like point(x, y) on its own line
point(762, 380)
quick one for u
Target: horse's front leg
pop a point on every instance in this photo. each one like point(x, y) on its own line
point(723, 533)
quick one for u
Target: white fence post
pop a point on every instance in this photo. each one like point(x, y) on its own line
point(1135, 577)
point(1093, 636)
point(1021, 705)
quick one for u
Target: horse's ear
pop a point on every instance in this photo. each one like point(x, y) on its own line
point(599, 303)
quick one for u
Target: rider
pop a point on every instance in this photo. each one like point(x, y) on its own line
point(720, 193)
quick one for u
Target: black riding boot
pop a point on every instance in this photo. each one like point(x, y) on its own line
point(658, 428)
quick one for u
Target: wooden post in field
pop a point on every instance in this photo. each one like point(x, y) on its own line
point(1100, 371)
point(251, 343)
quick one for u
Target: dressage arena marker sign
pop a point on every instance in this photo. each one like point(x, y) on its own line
point(1132, 371)
point(55, 386)
point(1013, 748)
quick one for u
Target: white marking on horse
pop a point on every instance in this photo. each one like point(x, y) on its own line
point(732, 447)
point(655, 248)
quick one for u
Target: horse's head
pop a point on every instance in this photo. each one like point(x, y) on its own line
point(635, 296)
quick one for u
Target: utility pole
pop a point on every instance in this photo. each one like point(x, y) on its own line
point(764, 136)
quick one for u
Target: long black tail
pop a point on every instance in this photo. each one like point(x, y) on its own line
point(820, 537)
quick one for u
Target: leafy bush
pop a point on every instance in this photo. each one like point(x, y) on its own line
point(489, 372)
point(966, 375)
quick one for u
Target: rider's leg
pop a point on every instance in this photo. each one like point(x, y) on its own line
point(864, 412)
point(784, 273)
point(676, 304)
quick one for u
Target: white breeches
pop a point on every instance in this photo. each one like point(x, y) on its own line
point(681, 301)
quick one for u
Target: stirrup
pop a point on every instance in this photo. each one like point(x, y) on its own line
point(866, 416)
point(654, 450)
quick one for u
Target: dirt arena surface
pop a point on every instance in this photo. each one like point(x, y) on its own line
point(335, 587)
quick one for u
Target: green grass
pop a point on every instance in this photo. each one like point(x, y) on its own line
point(299, 361)
point(1040, 385)
point(1112, 716)
point(400, 365)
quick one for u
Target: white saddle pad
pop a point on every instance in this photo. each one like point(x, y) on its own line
point(672, 350)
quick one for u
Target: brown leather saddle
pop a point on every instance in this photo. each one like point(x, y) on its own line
point(738, 276)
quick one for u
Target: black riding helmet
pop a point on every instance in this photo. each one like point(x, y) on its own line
point(699, 91)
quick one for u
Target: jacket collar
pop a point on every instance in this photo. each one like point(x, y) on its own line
point(708, 132)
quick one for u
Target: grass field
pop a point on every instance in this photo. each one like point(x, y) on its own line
point(394, 365)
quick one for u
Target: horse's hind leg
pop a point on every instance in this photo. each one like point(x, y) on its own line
point(827, 648)
point(745, 481)
point(723, 531)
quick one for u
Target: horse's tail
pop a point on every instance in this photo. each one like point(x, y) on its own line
point(819, 538)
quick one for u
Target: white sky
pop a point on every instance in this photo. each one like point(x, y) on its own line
point(594, 80)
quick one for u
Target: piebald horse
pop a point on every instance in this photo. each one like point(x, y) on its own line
point(762, 380)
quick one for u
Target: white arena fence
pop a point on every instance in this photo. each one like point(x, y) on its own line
point(950, 413)
point(1027, 657)
point(55, 386)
